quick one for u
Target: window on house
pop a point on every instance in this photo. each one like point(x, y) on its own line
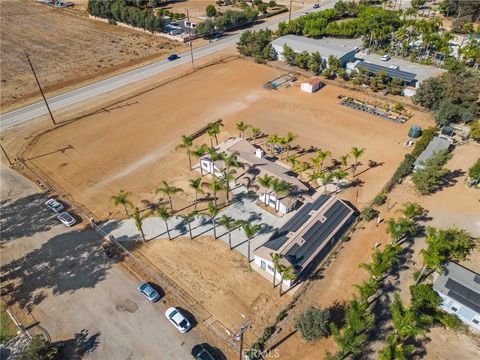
point(263, 265)
point(454, 309)
point(476, 321)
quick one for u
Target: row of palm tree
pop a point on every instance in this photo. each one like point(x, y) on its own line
point(284, 143)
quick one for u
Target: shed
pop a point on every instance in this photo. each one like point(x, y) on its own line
point(437, 144)
point(311, 85)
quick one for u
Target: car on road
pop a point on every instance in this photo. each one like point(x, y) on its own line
point(66, 218)
point(54, 205)
point(316, 6)
point(385, 57)
point(173, 57)
point(394, 67)
point(178, 320)
point(201, 352)
point(150, 293)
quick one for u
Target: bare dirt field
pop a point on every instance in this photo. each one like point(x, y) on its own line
point(66, 48)
point(131, 146)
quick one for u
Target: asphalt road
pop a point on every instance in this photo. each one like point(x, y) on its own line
point(76, 293)
point(30, 112)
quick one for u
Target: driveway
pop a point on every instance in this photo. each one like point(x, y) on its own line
point(75, 292)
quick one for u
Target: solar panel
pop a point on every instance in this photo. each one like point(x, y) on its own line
point(403, 75)
point(463, 295)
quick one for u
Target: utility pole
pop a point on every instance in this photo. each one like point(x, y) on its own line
point(6, 155)
point(290, 11)
point(239, 335)
point(40, 87)
point(190, 39)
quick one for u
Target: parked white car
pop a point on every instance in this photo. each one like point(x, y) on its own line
point(178, 320)
point(394, 67)
point(385, 57)
point(54, 205)
point(66, 218)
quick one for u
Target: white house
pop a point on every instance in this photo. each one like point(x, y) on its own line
point(311, 85)
point(256, 165)
point(459, 289)
point(307, 237)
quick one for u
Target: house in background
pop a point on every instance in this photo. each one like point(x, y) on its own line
point(307, 237)
point(343, 49)
point(459, 289)
point(436, 145)
point(257, 165)
point(311, 85)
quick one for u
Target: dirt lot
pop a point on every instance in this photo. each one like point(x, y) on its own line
point(136, 140)
point(66, 48)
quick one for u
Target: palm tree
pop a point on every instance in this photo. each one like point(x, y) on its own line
point(404, 320)
point(168, 190)
point(367, 289)
point(230, 224)
point(344, 159)
point(356, 153)
point(213, 156)
point(255, 133)
point(289, 139)
point(250, 231)
point(280, 188)
point(265, 181)
point(212, 212)
point(227, 178)
point(241, 127)
point(282, 141)
point(199, 152)
point(122, 199)
point(214, 185)
point(339, 175)
point(272, 140)
point(293, 161)
point(187, 142)
point(231, 161)
point(139, 220)
point(276, 265)
point(321, 156)
point(412, 210)
point(196, 185)
point(214, 130)
point(188, 218)
point(395, 350)
point(326, 178)
point(400, 228)
point(286, 273)
point(165, 214)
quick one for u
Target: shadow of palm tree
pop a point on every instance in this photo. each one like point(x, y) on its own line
point(79, 346)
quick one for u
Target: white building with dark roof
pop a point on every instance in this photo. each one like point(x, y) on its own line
point(459, 289)
point(307, 237)
point(343, 49)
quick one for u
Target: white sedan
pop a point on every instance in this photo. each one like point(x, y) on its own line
point(178, 320)
point(54, 205)
point(66, 218)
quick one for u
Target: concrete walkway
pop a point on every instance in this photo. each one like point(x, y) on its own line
point(242, 208)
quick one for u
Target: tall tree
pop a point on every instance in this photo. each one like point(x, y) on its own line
point(321, 156)
point(339, 175)
point(187, 143)
point(344, 159)
point(327, 178)
point(395, 350)
point(412, 210)
point(356, 153)
point(188, 218)
point(228, 177)
point(215, 186)
point(122, 199)
point(250, 231)
point(230, 224)
point(199, 152)
point(272, 141)
point(255, 133)
point(196, 185)
point(276, 257)
point(265, 182)
point(241, 127)
point(280, 188)
point(165, 214)
point(400, 228)
point(168, 190)
point(138, 218)
point(288, 140)
point(214, 130)
point(404, 320)
point(286, 273)
point(212, 212)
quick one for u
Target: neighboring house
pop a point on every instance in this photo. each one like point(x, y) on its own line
point(307, 237)
point(257, 165)
point(311, 85)
point(459, 289)
point(437, 144)
point(343, 49)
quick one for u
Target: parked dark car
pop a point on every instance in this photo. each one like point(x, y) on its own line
point(173, 57)
point(202, 352)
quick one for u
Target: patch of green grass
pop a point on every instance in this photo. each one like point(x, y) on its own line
point(8, 329)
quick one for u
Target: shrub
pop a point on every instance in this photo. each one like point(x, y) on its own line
point(403, 170)
point(430, 177)
point(39, 349)
point(427, 136)
point(475, 130)
point(281, 315)
point(379, 199)
point(451, 321)
point(474, 171)
point(368, 213)
point(313, 324)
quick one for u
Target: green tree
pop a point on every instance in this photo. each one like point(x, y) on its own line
point(188, 219)
point(255, 133)
point(168, 190)
point(301, 60)
point(326, 178)
point(412, 210)
point(138, 219)
point(214, 130)
point(241, 127)
point(39, 349)
point(313, 324)
point(315, 63)
point(122, 199)
point(286, 273)
point(215, 186)
point(400, 228)
point(395, 350)
point(196, 185)
point(367, 289)
point(429, 178)
point(230, 224)
point(205, 29)
point(417, 3)
point(165, 214)
point(321, 156)
point(210, 11)
point(250, 231)
point(187, 142)
point(288, 55)
point(475, 130)
point(212, 212)
point(199, 152)
point(265, 182)
point(228, 177)
point(404, 320)
point(276, 265)
point(356, 153)
point(289, 139)
point(474, 171)
point(447, 113)
point(339, 175)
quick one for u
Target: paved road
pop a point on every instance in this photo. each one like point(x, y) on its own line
point(85, 93)
point(74, 290)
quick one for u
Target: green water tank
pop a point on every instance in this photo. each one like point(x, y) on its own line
point(415, 131)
